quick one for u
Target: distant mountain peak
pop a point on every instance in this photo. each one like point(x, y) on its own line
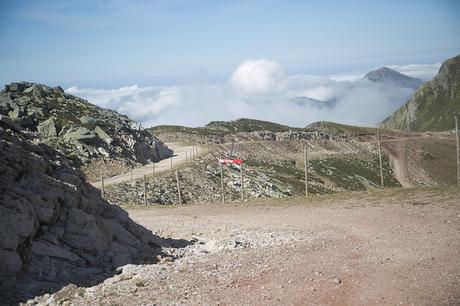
point(389, 75)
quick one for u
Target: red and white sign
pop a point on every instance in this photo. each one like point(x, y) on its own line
point(231, 161)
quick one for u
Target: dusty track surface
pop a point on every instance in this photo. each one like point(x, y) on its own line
point(384, 248)
point(179, 157)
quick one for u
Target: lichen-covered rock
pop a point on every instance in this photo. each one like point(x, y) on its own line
point(55, 228)
point(48, 128)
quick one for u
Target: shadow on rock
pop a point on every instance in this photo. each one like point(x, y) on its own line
point(55, 228)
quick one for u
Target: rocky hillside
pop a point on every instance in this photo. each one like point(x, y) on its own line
point(55, 228)
point(433, 106)
point(219, 132)
point(94, 137)
point(387, 75)
point(272, 169)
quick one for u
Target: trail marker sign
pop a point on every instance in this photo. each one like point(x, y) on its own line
point(231, 161)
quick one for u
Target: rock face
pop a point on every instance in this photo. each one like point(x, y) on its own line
point(433, 106)
point(78, 128)
point(387, 75)
point(55, 228)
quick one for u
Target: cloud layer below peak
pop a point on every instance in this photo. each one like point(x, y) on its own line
point(262, 89)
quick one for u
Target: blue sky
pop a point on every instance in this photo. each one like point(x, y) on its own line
point(107, 44)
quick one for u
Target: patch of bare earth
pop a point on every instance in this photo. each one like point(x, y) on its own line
point(381, 248)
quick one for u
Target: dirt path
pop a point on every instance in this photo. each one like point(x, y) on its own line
point(385, 248)
point(178, 158)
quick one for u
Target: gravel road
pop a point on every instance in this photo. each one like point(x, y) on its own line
point(179, 157)
point(393, 247)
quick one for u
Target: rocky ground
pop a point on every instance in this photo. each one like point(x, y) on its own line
point(392, 247)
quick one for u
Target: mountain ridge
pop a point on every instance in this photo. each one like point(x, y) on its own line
point(433, 106)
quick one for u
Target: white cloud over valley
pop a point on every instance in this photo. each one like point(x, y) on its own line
point(262, 89)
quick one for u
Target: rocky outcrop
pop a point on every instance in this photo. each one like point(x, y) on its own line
point(79, 129)
point(55, 228)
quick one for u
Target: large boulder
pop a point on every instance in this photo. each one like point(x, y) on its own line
point(55, 228)
point(48, 128)
point(79, 134)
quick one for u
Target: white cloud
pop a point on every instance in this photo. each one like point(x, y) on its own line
point(259, 76)
point(260, 89)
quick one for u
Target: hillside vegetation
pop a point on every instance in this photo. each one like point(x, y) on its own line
point(434, 105)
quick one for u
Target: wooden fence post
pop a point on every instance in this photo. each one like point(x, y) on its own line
point(103, 187)
point(178, 187)
point(153, 170)
point(458, 151)
point(145, 192)
point(186, 156)
point(380, 160)
point(222, 182)
point(131, 171)
point(171, 164)
point(306, 170)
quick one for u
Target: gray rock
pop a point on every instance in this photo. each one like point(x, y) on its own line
point(80, 134)
point(9, 123)
point(103, 135)
point(88, 120)
point(48, 128)
point(38, 92)
point(18, 87)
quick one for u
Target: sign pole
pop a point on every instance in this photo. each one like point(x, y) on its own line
point(242, 182)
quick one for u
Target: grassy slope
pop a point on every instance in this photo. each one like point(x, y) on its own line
point(435, 103)
point(339, 128)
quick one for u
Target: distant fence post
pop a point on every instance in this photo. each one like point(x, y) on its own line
point(186, 156)
point(222, 182)
point(103, 187)
point(242, 182)
point(153, 170)
point(131, 172)
point(458, 151)
point(178, 187)
point(145, 192)
point(171, 163)
point(380, 159)
point(306, 170)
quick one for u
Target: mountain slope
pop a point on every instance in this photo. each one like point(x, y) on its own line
point(433, 106)
point(387, 75)
point(91, 135)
